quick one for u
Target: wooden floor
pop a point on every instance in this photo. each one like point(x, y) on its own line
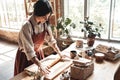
point(7, 57)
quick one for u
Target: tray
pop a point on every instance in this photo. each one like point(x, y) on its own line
point(55, 70)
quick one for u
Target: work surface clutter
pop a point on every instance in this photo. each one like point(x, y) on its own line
point(81, 63)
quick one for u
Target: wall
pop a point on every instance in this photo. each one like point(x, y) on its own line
point(8, 34)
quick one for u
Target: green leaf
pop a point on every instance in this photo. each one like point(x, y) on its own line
point(66, 31)
point(67, 21)
point(73, 25)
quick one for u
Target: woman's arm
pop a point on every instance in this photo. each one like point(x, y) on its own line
point(52, 42)
point(57, 50)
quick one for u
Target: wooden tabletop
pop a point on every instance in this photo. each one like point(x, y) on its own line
point(102, 71)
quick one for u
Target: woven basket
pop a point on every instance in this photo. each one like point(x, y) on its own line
point(81, 73)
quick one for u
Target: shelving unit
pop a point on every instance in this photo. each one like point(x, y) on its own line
point(53, 17)
point(29, 9)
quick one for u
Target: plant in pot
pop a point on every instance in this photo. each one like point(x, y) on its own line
point(63, 29)
point(64, 25)
point(92, 30)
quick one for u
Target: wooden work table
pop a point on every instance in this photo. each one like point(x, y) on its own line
point(102, 71)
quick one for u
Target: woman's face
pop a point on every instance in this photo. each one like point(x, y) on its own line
point(42, 19)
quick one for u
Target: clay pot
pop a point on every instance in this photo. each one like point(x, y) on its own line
point(99, 57)
point(73, 54)
point(79, 44)
point(90, 41)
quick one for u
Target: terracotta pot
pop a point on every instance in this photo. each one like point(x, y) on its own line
point(73, 54)
point(90, 41)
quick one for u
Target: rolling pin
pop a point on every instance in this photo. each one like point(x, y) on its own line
point(54, 62)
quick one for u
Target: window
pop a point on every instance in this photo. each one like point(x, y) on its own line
point(12, 13)
point(105, 12)
point(75, 12)
point(115, 34)
point(99, 12)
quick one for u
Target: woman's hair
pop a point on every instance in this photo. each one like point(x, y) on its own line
point(41, 8)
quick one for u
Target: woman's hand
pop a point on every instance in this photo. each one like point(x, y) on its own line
point(44, 69)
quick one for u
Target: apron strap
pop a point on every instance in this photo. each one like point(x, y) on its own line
point(32, 27)
point(46, 29)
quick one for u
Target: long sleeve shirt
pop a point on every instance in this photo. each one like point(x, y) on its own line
point(25, 37)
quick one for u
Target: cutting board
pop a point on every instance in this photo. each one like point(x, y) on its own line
point(55, 70)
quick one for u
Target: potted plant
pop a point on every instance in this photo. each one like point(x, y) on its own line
point(92, 30)
point(63, 29)
point(63, 26)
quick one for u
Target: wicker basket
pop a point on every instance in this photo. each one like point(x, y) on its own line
point(81, 73)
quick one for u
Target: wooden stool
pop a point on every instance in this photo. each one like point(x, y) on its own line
point(99, 57)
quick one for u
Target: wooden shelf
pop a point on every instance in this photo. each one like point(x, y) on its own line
point(29, 8)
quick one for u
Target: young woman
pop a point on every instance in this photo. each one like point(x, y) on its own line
point(32, 35)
